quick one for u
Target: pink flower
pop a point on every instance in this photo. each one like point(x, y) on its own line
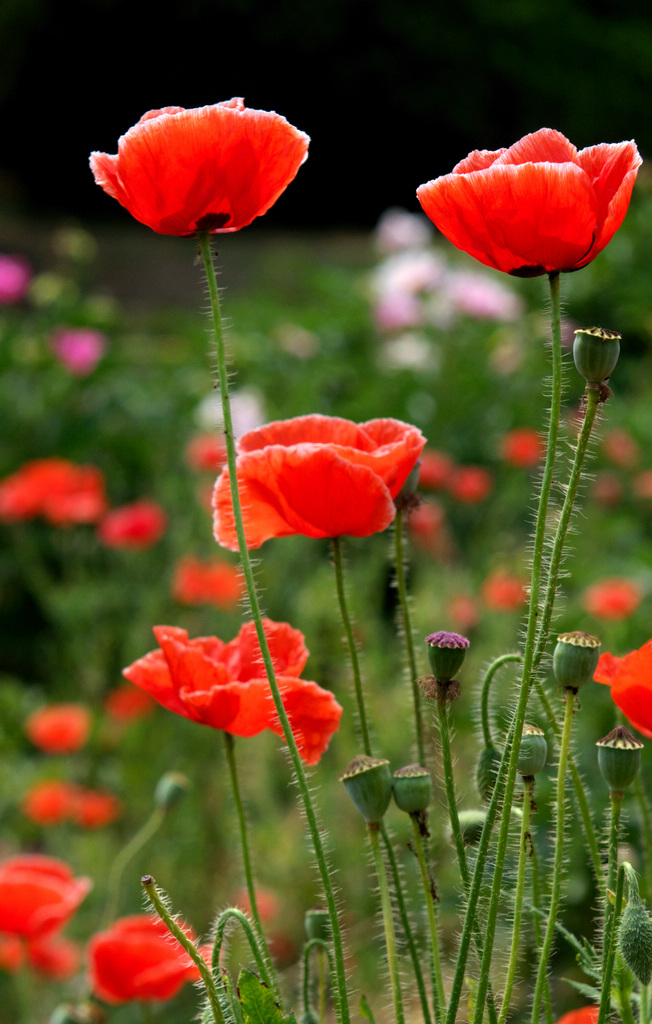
point(480, 296)
point(15, 276)
point(79, 349)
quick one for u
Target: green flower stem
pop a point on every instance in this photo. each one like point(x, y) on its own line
point(509, 762)
point(408, 635)
point(612, 872)
point(538, 937)
point(340, 994)
point(523, 851)
point(645, 1011)
point(229, 745)
point(323, 952)
point(257, 947)
point(159, 901)
point(497, 663)
point(609, 951)
point(644, 808)
point(438, 994)
point(555, 888)
point(338, 563)
point(124, 858)
point(388, 922)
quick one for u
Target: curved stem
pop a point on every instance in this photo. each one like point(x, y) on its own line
point(388, 922)
point(438, 994)
point(340, 994)
point(350, 642)
point(234, 913)
point(229, 745)
point(408, 636)
point(523, 851)
point(323, 949)
point(124, 858)
point(497, 663)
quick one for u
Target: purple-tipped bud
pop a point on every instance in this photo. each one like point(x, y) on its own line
point(446, 652)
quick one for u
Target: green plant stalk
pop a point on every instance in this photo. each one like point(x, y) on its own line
point(558, 862)
point(229, 745)
point(257, 947)
point(388, 922)
point(340, 994)
point(338, 564)
point(609, 949)
point(438, 993)
point(644, 808)
point(323, 951)
point(616, 803)
point(408, 635)
point(538, 937)
point(512, 747)
point(525, 840)
point(497, 663)
point(124, 858)
point(158, 900)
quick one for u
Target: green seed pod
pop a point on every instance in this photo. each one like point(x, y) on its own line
point(619, 758)
point(486, 771)
point(534, 751)
point(317, 923)
point(170, 789)
point(635, 939)
point(596, 352)
point(446, 652)
point(368, 781)
point(575, 659)
point(412, 788)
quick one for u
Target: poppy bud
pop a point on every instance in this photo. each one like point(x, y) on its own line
point(170, 789)
point(619, 758)
point(446, 652)
point(412, 788)
point(596, 352)
point(533, 754)
point(575, 659)
point(486, 771)
point(317, 923)
point(471, 825)
point(635, 938)
point(368, 781)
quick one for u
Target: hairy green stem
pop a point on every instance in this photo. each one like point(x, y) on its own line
point(338, 564)
point(523, 853)
point(340, 994)
point(538, 937)
point(408, 636)
point(497, 663)
point(323, 951)
point(438, 993)
point(124, 858)
point(609, 951)
point(616, 803)
point(388, 922)
point(256, 945)
point(644, 808)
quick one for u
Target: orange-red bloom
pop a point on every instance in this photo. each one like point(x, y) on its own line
point(137, 525)
point(59, 728)
point(535, 208)
point(136, 958)
point(319, 476)
point(470, 484)
point(95, 808)
point(212, 169)
point(60, 491)
point(205, 453)
point(126, 703)
point(587, 1015)
point(223, 685)
point(522, 447)
point(38, 895)
point(216, 583)
point(612, 598)
point(630, 679)
point(435, 470)
point(503, 592)
point(50, 802)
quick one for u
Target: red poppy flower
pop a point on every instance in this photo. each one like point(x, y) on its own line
point(126, 703)
point(212, 169)
point(38, 895)
point(205, 453)
point(319, 476)
point(59, 728)
point(630, 679)
point(54, 956)
point(12, 953)
point(522, 447)
point(470, 484)
point(50, 802)
point(223, 685)
point(612, 599)
point(587, 1015)
point(137, 958)
point(216, 583)
point(435, 470)
point(137, 525)
point(503, 592)
point(95, 808)
point(620, 448)
point(56, 489)
point(535, 208)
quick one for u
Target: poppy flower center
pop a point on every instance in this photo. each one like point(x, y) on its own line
point(212, 221)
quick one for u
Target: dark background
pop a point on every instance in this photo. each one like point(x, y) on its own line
point(391, 93)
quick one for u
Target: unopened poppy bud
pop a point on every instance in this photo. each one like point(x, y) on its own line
point(533, 754)
point(170, 789)
point(412, 788)
point(596, 352)
point(368, 781)
point(446, 652)
point(471, 825)
point(619, 758)
point(575, 659)
point(487, 770)
point(635, 938)
point(317, 923)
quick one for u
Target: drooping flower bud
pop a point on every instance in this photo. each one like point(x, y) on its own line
point(368, 781)
point(412, 788)
point(596, 352)
point(635, 933)
point(533, 754)
point(317, 923)
point(619, 758)
point(446, 652)
point(170, 789)
point(575, 659)
point(487, 770)
point(471, 825)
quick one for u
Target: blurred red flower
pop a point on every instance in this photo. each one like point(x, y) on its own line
point(535, 208)
point(319, 476)
point(49, 802)
point(59, 728)
point(607, 488)
point(630, 679)
point(12, 953)
point(470, 484)
point(587, 1015)
point(95, 808)
point(54, 956)
point(266, 901)
point(612, 598)
point(137, 959)
point(38, 895)
point(126, 703)
point(435, 470)
point(60, 491)
point(643, 484)
point(503, 591)
point(463, 611)
point(213, 168)
point(427, 526)
point(620, 448)
point(522, 447)
point(223, 685)
point(205, 453)
point(216, 583)
point(78, 349)
point(137, 525)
